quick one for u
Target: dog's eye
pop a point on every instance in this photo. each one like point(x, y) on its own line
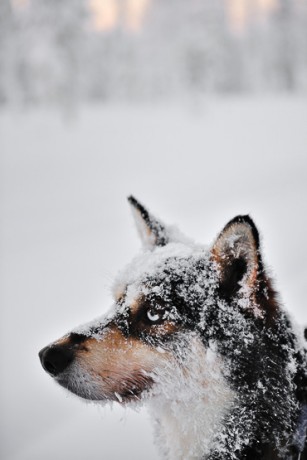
point(153, 315)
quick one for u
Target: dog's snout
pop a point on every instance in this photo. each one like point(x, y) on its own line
point(56, 358)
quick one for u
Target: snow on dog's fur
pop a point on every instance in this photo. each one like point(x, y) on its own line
point(199, 335)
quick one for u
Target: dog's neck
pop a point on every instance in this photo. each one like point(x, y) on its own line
point(186, 427)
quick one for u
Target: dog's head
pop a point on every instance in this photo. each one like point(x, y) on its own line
point(169, 304)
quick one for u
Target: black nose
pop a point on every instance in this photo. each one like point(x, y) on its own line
point(56, 358)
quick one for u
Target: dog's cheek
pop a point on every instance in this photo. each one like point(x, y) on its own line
point(119, 367)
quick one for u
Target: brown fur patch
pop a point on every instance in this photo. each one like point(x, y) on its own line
point(135, 305)
point(119, 292)
point(166, 328)
point(120, 364)
point(63, 341)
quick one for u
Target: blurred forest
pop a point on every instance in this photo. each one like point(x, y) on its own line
point(53, 52)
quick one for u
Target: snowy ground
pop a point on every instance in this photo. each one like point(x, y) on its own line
point(66, 229)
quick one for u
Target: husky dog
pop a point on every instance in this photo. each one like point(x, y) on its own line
point(199, 334)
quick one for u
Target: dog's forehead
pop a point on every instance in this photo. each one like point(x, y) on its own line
point(152, 272)
point(152, 267)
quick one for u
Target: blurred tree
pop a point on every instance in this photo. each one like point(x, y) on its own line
point(7, 43)
point(55, 35)
point(285, 59)
point(51, 53)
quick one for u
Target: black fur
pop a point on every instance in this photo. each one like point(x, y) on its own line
point(257, 351)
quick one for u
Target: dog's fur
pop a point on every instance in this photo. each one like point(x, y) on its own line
point(200, 335)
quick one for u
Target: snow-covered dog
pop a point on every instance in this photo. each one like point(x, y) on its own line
point(198, 334)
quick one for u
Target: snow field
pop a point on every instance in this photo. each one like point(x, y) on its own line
point(67, 230)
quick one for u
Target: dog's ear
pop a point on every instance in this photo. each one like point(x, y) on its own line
point(236, 253)
point(151, 231)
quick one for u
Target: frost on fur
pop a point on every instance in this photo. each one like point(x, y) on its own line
point(197, 334)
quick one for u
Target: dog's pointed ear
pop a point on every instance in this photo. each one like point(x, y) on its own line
point(151, 231)
point(236, 253)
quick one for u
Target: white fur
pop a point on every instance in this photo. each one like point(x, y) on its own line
point(189, 410)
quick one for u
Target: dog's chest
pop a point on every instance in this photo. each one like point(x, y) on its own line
point(186, 427)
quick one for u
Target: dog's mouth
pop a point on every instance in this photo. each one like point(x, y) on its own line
point(106, 388)
point(113, 369)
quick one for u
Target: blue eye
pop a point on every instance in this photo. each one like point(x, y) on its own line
point(153, 315)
